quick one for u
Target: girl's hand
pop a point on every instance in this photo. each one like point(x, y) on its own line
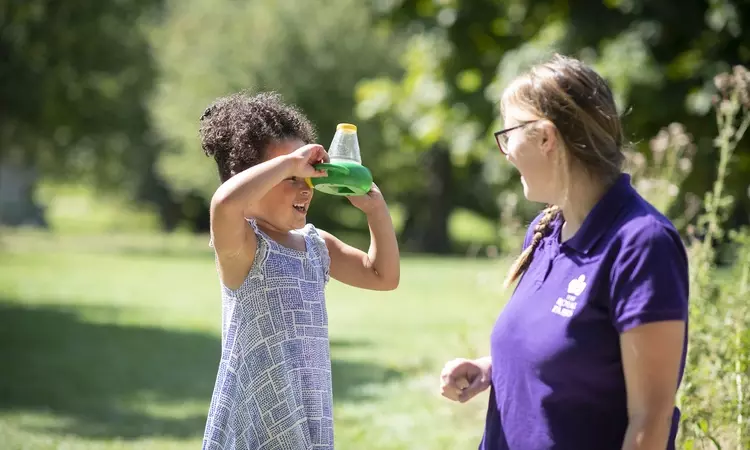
point(370, 202)
point(304, 158)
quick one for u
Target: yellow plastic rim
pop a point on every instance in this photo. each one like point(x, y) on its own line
point(309, 183)
point(346, 127)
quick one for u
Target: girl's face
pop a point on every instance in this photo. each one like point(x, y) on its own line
point(532, 149)
point(285, 206)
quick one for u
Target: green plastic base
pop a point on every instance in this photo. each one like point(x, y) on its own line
point(344, 179)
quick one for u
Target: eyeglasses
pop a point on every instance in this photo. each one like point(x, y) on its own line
point(501, 137)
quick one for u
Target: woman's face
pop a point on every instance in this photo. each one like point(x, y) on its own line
point(533, 150)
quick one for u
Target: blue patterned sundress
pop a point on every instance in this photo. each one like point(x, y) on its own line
point(273, 389)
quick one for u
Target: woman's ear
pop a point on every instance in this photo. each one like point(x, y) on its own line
point(549, 138)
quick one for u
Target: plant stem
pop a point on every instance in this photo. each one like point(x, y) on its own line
point(728, 140)
point(741, 357)
point(741, 130)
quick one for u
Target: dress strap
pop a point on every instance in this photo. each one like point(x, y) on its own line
point(319, 248)
point(261, 251)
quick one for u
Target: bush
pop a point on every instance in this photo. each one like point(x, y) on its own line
point(714, 396)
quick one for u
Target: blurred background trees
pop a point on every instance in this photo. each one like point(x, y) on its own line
point(108, 96)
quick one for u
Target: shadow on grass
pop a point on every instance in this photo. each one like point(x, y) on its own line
point(97, 377)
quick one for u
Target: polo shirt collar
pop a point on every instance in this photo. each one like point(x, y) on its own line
point(601, 217)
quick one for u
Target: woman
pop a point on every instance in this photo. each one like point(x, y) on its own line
point(590, 349)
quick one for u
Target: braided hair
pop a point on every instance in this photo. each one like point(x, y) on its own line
point(541, 229)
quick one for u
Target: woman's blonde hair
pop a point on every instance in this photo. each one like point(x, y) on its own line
point(579, 102)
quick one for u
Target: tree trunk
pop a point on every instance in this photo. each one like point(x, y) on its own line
point(426, 226)
point(154, 190)
point(17, 204)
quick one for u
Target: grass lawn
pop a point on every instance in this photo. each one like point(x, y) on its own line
point(114, 342)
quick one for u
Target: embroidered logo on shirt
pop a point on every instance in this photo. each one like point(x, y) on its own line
point(577, 285)
point(566, 306)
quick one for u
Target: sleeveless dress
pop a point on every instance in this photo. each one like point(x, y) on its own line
point(273, 389)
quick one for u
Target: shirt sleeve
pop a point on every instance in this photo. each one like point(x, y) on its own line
point(650, 280)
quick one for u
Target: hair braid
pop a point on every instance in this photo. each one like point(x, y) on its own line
point(521, 263)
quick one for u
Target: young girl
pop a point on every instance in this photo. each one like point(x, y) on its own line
point(273, 389)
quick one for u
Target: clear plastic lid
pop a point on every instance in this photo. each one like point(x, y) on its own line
point(345, 145)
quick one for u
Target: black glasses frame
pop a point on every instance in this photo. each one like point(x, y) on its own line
point(501, 137)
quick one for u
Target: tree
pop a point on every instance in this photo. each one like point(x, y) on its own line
point(73, 85)
point(314, 53)
point(659, 59)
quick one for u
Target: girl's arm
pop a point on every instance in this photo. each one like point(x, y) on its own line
point(378, 269)
point(236, 199)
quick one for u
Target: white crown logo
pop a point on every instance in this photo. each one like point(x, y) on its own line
point(577, 285)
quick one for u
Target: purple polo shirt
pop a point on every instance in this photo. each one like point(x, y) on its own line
point(557, 375)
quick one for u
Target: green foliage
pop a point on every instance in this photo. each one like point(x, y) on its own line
point(714, 393)
point(738, 317)
point(73, 83)
point(313, 53)
point(659, 173)
point(659, 66)
point(413, 115)
point(72, 209)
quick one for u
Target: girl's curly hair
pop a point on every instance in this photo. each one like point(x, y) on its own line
point(237, 129)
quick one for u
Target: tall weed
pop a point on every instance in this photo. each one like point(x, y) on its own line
point(714, 394)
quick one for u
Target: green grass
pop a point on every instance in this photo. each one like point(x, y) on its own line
point(113, 343)
point(78, 210)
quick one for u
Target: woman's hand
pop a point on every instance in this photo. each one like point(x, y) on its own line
point(462, 379)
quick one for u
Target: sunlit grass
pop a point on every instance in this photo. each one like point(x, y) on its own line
point(113, 343)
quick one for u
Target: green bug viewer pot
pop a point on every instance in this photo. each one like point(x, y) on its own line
point(346, 174)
